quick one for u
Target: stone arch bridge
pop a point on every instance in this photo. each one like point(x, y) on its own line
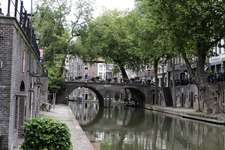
point(108, 90)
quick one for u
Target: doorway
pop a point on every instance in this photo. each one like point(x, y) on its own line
point(153, 96)
point(192, 98)
point(182, 100)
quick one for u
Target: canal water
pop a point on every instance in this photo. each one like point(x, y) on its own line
point(127, 128)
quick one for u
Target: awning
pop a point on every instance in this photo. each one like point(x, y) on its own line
point(180, 71)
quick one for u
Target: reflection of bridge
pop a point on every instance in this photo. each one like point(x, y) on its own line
point(116, 118)
point(108, 90)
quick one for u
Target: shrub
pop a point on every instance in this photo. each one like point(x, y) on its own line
point(46, 134)
point(148, 105)
point(117, 96)
point(198, 110)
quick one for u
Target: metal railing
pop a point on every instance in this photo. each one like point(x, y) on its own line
point(25, 23)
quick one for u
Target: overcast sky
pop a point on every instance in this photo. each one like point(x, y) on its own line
point(111, 4)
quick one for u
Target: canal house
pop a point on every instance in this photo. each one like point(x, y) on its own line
point(20, 79)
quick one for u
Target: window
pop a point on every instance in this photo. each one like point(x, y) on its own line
point(100, 67)
point(86, 67)
point(16, 113)
point(100, 74)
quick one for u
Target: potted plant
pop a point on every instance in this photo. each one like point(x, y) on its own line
point(79, 77)
point(115, 79)
point(109, 80)
point(93, 79)
point(76, 78)
point(97, 77)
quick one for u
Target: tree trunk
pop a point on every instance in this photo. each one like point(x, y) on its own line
point(124, 74)
point(200, 81)
point(156, 81)
point(62, 68)
point(63, 61)
point(174, 84)
point(54, 97)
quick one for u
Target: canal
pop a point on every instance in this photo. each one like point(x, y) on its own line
point(127, 128)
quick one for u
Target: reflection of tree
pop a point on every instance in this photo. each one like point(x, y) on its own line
point(155, 120)
point(144, 131)
point(116, 113)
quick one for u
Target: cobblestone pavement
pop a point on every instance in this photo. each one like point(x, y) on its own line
point(64, 114)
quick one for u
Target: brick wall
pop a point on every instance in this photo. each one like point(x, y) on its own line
point(16, 83)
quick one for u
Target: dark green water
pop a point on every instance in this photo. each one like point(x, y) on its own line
point(126, 128)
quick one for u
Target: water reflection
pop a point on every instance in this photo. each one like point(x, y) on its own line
point(126, 128)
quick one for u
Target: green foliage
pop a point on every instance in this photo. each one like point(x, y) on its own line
point(44, 134)
point(198, 110)
point(148, 105)
point(190, 28)
point(55, 32)
point(55, 83)
point(111, 37)
point(117, 96)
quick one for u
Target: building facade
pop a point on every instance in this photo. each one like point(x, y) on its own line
point(20, 81)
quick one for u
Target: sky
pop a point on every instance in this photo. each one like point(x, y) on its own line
point(111, 4)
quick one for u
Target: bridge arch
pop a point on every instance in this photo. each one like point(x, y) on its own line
point(141, 97)
point(108, 90)
point(97, 92)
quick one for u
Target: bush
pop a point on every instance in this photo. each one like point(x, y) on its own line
point(46, 134)
point(198, 110)
point(117, 96)
point(148, 105)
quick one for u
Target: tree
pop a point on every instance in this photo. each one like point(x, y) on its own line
point(111, 37)
point(55, 84)
point(195, 27)
point(57, 36)
point(152, 46)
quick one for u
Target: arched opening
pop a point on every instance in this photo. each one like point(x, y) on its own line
point(22, 86)
point(85, 93)
point(130, 94)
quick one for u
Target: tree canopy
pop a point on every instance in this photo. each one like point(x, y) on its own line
point(57, 35)
point(194, 28)
point(112, 37)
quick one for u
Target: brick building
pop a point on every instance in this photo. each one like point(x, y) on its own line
point(20, 81)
